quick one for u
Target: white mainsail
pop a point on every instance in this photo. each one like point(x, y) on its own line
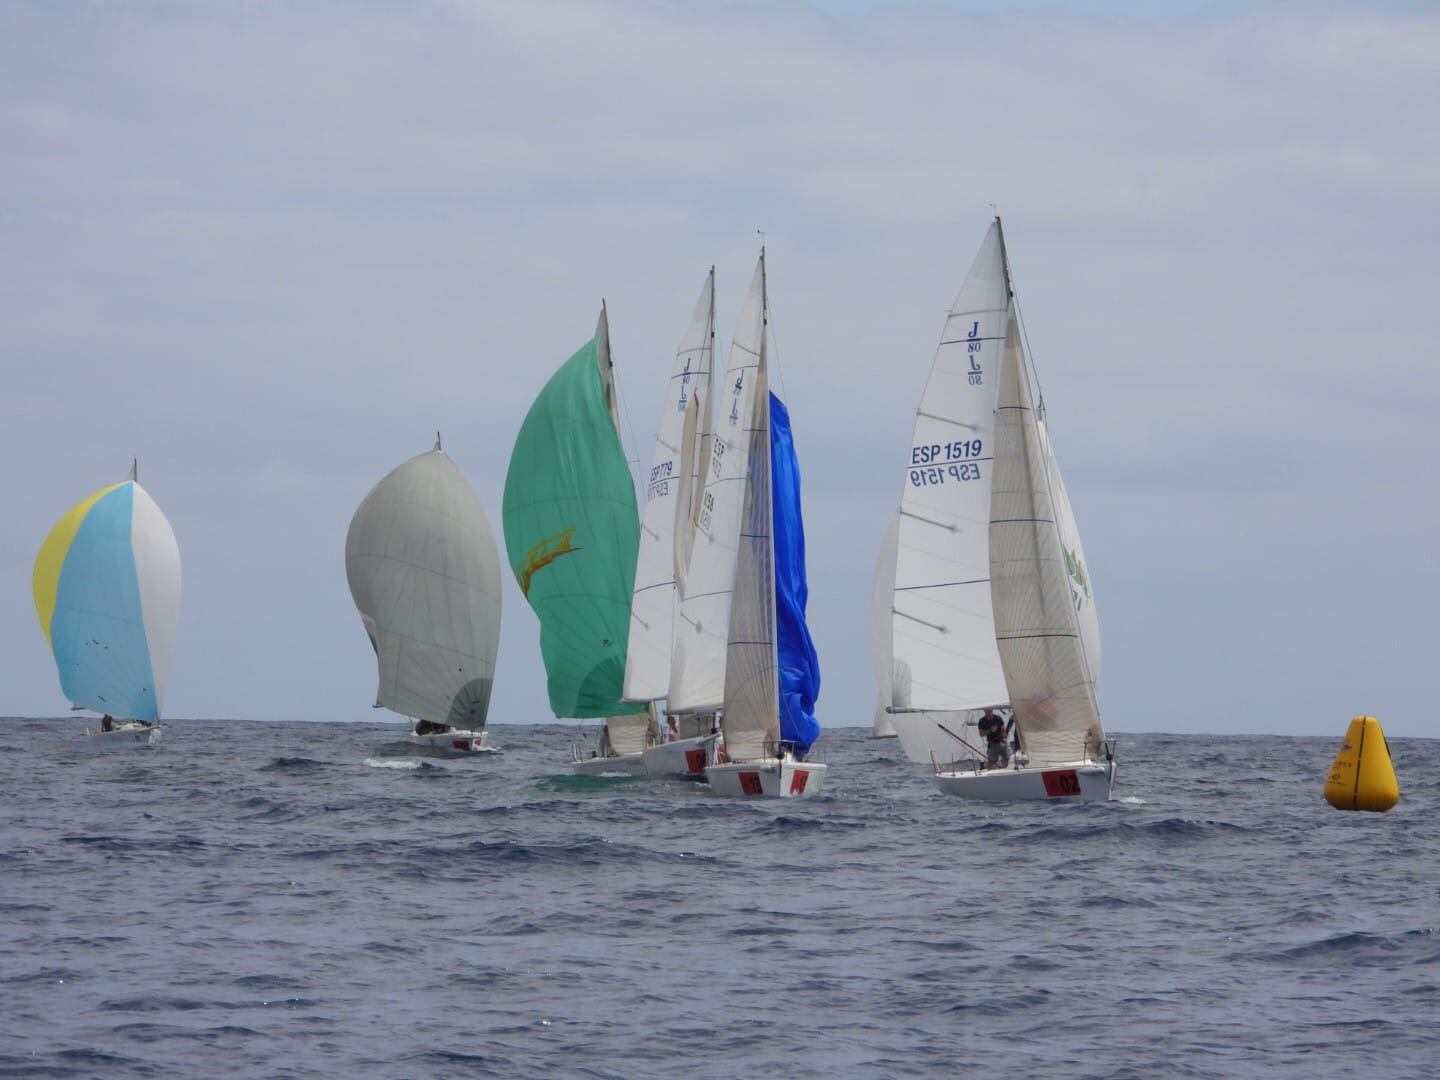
point(944, 651)
point(1037, 628)
point(425, 575)
point(751, 720)
point(698, 678)
point(882, 619)
point(668, 489)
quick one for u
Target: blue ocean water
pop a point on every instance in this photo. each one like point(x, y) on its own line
point(281, 900)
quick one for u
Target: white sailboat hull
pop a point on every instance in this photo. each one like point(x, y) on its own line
point(1079, 781)
point(614, 765)
point(683, 759)
point(781, 778)
point(124, 737)
point(464, 742)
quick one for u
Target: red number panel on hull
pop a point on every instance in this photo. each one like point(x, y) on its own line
point(695, 760)
point(798, 780)
point(750, 783)
point(1061, 783)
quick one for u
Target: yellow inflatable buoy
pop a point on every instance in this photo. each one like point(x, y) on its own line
point(1361, 777)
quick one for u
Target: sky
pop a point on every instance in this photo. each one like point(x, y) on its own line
point(271, 248)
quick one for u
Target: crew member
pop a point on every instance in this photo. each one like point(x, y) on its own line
point(997, 749)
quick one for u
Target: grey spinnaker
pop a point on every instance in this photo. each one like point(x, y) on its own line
point(425, 575)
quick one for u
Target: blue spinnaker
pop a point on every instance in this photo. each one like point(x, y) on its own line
point(799, 666)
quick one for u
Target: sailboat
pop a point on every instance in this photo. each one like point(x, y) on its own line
point(667, 535)
point(107, 592)
point(741, 643)
point(425, 576)
point(991, 605)
point(571, 534)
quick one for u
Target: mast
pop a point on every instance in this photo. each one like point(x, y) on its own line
point(764, 403)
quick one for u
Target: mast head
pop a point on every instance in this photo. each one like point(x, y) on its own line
point(437, 441)
point(135, 470)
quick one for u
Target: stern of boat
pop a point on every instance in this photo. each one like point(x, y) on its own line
point(683, 759)
point(783, 778)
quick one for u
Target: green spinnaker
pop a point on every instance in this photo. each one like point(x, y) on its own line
point(571, 533)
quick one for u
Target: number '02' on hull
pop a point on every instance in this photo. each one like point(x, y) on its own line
point(1088, 782)
point(781, 778)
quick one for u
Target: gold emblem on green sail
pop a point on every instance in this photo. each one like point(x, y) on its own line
point(544, 553)
point(1077, 572)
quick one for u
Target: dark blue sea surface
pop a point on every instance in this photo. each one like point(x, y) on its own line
point(276, 900)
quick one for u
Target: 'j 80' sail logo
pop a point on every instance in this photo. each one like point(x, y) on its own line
point(972, 343)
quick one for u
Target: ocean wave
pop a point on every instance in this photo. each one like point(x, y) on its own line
point(1360, 948)
point(293, 765)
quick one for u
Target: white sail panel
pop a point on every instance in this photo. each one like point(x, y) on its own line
point(702, 628)
point(930, 737)
point(157, 573)
point(944, 634)
point(1081, 591)
point(652, 608)
point(751, 720)
point(882, 618)
point(1035, 621)
point(425, 575)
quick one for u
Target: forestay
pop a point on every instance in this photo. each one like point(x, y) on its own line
point(668, 490)
point(425, 575)
point(702, 629)
point(107, 593)
point(1037, 629)
point(944, 653)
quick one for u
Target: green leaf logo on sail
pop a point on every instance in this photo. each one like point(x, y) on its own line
point(1077, 572)
point(544, 553)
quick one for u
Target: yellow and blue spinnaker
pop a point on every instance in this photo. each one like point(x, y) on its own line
point(107, 593)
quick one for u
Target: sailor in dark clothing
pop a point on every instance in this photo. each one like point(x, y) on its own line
point(107, 723)
point(997, 749)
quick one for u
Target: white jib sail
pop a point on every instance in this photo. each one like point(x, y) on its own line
point(1080, 589)
point(882, 641)
point(1036, 626)
point(702, 627)
point(944, 651)
point(425, 575)
point(751, 720)
point(652, 607)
